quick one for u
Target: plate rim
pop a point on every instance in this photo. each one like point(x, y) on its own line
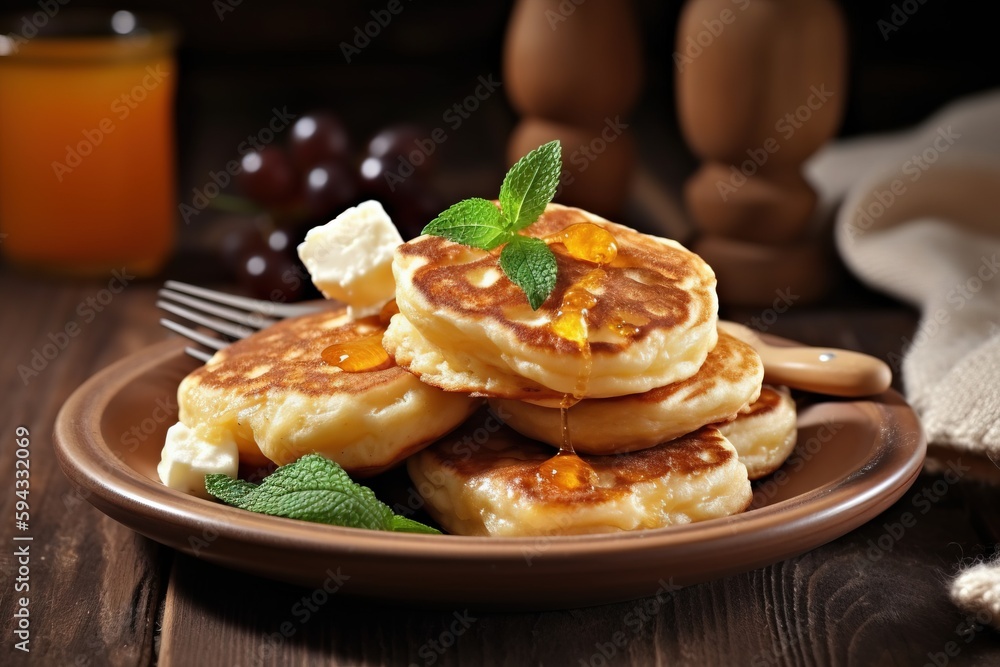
point(92, 465)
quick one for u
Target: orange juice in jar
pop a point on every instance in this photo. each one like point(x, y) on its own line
point(86, 142)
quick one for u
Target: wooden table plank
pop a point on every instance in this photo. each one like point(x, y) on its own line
point(97, 586)
point(94, 585)
point(850, 602)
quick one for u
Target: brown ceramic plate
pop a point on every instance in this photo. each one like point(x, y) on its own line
point(853, 460)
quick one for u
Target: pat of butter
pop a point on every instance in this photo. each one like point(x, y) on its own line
point(186, 459)
point(350, 257)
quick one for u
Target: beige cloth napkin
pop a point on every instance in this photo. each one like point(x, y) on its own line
point(918, 216)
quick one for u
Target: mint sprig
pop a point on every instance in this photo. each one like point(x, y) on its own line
point(529, 263)
point(475, 222)
point(530, 185)
point(527, 189)
point(314, 488)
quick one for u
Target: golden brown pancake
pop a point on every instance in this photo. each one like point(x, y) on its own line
point(492, 486)
point(728, 381)
point(464, 326)
point(280, 400)
point(764, 433)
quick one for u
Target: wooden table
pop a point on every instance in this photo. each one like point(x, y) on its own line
point(103, 595)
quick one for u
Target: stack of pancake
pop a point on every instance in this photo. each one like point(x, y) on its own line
point(649, 388)
point(667, 414)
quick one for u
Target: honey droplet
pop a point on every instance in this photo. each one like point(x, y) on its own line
point(568, 471)
point(571, 318)
point(587, 241)
point(359, 355)
point(624, 329)
point(626, 324)
point(388, 310)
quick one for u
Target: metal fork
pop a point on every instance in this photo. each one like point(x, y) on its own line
point(231, 316)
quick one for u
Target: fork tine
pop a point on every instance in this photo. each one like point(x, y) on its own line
point(200, 355)
point(219, 297)
point(267, 308)
point(196, 336)
point(213, 323)
point(252, 320)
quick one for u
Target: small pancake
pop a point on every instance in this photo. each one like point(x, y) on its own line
point(464, 326)
point(728, 381)
point(277, 397)
point(491, 486)
point(764, 434)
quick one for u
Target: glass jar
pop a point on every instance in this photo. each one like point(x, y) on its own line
point(87, 166)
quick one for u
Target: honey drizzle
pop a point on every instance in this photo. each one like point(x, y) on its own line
point(361, 354)
point(587, 241)
point(590, 243)
point(388, 310)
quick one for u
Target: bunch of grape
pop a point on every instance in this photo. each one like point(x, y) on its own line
point(311, 180)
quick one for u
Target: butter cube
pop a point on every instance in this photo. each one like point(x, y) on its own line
point(186, 459)
point(350, 257)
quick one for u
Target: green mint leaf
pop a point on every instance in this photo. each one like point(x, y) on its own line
point(474, 222)
point(228, 490)
point(316, 489)
point(401, 524)
point(530, 185)
point(527, 189)
point(530, 264)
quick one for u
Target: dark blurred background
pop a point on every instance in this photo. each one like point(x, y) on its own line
point(238, 60)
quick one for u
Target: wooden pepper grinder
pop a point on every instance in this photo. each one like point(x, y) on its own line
point(573, 70)
point(760, 87)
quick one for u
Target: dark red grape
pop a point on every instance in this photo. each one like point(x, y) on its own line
point(410, 142)
point(413, 210)
point(329, 188)
point(272, 275)
point(268, 176)
point(280, 240)
point(240, 243)
point(318, 137)
point(372, 179)
point(381, 180)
